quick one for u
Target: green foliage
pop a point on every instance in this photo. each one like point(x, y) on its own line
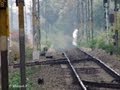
point(65, 16)
point(14, 79)
point(100, 42)
point(92, 43)
point(28, 53)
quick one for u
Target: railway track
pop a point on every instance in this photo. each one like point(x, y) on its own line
point(86, 71)
point(93, 74)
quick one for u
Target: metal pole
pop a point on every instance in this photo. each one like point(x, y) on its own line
point(34, 22)
point(92, 20)
point(88, 12)
point(84, 28)
point(106, 10)
point(78, 14)
point(82, 18)
point(79, 23)
point(39, 32)
point(116, 27)
point(4, 32)
point(22, 44)
point(89, 19)
point(86, 19)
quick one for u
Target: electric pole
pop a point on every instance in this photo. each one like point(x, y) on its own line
point(36, 24)
point(36, 29)
point(39, 31)
point(91, 19)
point(86, 19)
point(4, 33)
point(82, 18)
point(88, 14)
point(106, 10)
point(20, 4)
point(116, 44)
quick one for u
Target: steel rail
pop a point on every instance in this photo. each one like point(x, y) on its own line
point(108, 69)
point(76, 74)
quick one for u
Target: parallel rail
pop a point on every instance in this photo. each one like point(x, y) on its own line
point(84, 84)
point(83, 87)
point(108, 69)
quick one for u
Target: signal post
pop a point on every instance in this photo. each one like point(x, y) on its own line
point(4, 33)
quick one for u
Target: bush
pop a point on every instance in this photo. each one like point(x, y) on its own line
point(14, 79)
point(98, 42)
point(101, 44)
point(29, 53)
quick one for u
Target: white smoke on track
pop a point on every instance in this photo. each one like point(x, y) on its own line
point(75, 33)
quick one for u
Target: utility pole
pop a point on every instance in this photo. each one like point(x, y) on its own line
point(4, 33)
point(36, 24)
point(20, 4)
point(91, 20)
point(39, 31)
point(82, 18)
point(81, 26)
point(36, 28)
point(116, 27)
point(86, 19)
point(79, 21)
point(106, 9)
point(78, 14)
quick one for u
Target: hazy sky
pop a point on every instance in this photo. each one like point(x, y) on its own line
point(14, 9)
point(27, 5)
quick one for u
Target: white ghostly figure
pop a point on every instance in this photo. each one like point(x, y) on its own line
point(75, 32)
